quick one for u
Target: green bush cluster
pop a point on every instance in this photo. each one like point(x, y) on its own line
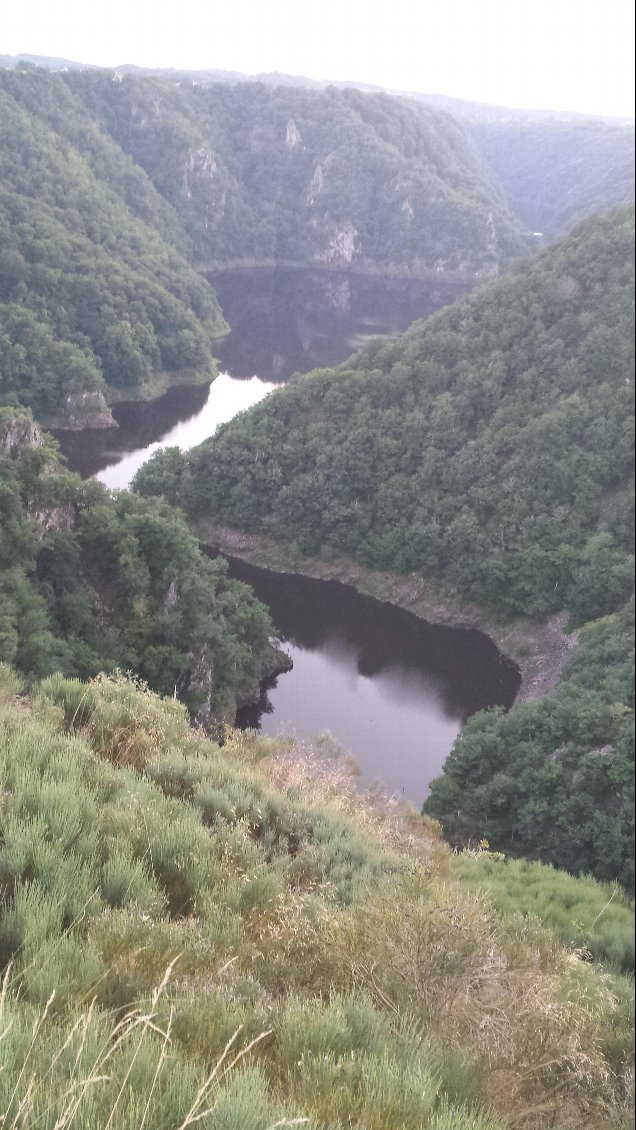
point(596, 918)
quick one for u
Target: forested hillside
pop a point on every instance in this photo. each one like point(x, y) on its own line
point(93, 293)
point(113, 184)
point(554, 780)
point(335, 176)
point(89, 583)
point(490, 447)
point(554, 172)
point(186, 931)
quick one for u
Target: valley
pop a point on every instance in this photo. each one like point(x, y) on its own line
point(340, 381)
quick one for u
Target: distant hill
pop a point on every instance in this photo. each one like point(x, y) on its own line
point(555, 172)
point(115, 185)
point(260, 173)
point(554, 167)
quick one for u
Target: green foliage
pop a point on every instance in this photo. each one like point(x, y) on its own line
point(490, 447)
point(395, 998)
point(261, 172)
point(555, 173)
point(91, 581)
point(587, 915)
point(554, 779)
point(93, 290)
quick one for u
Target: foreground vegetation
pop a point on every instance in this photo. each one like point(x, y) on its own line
point(230, 937)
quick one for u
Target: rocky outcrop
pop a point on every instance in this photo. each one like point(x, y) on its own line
point(19, 431)
point(341, 247)
point(200, 166)
point(86, 410)
point(292, 135)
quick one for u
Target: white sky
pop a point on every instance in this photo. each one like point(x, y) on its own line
point(541, 54)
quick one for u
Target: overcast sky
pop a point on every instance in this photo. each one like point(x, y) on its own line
point(541, 54)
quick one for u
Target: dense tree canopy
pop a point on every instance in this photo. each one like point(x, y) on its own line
point(93, 292)
point(91, 581)
point(554, 780)
point(554, 172)
point(287, 173)
point(491, 446)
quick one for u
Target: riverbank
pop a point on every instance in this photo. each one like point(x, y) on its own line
point(541, 646)
point(417, 271)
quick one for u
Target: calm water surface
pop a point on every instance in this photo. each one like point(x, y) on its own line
point(182, 418)
point(389, 688)
point(286, 321)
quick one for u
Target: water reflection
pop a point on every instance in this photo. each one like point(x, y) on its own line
point(390, 688)
point(178, 420)
point(286, 321)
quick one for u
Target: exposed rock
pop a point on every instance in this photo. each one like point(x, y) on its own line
point(341, 247)
point(18, 432)
point(55, 517)
point(292, 136)
point(86, 410)
point(315, 186)
point(200, 165)
point(199, 676)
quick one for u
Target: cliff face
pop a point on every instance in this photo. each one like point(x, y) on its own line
point(336, 177)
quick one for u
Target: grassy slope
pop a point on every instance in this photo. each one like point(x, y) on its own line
point(232, 933)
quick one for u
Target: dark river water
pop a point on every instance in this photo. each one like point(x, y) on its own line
point(286, 321)
point(391, 689)
point(387, 687)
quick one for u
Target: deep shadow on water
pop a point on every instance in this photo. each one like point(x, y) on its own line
point(141, 423)
point(287, 320)
point(390, 688)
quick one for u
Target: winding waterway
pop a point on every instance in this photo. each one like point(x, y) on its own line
point(389, 688)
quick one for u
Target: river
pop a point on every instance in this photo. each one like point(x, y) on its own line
point(389, 688)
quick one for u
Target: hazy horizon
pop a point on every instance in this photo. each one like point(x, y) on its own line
point(552, 56)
